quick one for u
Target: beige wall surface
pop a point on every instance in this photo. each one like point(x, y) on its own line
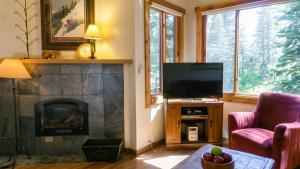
point(122, 23)
point(149, 122)
point(116, 21)
point(114, 18)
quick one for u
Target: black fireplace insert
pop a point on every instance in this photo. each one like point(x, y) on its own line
point(61, 116)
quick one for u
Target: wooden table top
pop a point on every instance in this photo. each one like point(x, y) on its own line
point(242, 160)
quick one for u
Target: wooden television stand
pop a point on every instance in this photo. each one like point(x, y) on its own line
point(180, 114)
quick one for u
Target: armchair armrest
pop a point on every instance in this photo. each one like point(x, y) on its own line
point(239, 120)
point(286, 145)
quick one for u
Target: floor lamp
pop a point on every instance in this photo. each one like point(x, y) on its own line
point(14, 69)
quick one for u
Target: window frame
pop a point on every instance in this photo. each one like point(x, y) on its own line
point(151, 99)
point(201, 20)
point(162, 53)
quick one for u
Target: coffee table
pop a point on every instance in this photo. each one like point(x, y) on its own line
point(242, 160)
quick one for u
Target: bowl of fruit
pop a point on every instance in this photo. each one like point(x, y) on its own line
point(217, 159)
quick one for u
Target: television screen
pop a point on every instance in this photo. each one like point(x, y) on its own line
point(193, 80)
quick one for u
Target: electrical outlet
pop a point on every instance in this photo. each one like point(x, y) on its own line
point(49, 139)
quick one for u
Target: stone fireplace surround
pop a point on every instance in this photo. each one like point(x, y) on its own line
point(99, 85)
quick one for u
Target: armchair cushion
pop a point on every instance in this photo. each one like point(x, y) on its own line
point(239, 120)
point(276, 108)
point(246, 139)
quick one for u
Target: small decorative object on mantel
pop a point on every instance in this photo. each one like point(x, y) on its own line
point(92, 33)
point(84, 51)
point(27, 30)
point(49, 54)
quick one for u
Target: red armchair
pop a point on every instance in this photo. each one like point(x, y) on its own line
point(272, 130)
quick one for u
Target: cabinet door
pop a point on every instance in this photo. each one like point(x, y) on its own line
point(215, 123)
point(173, 124)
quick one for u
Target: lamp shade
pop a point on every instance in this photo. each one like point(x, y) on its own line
point(13, 68)
point(92, 32)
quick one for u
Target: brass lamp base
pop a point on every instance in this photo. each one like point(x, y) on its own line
point(93, 49)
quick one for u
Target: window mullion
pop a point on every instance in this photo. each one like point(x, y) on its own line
point(236, 51)
point(163, 46)
point(176, 36)
point(163, 37)
point(204, 29)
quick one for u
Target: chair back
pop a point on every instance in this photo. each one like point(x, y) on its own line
point(275, 108)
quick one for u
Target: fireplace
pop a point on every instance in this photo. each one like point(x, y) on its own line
point(61, 116)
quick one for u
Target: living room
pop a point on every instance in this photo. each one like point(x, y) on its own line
point(119, 93)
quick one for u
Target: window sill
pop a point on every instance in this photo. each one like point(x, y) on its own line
point(157, 99)
point(246, 99)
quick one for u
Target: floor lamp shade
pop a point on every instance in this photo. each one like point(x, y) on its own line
point(14, 69)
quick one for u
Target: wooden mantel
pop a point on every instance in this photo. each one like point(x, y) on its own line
point(77, 61)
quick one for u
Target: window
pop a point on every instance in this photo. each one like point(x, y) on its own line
point(259, 46)
point(163, 34)
point(220, 41)
point(155, 51)
point(170, 38)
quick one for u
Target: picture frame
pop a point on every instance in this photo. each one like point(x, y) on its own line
point(63, 23)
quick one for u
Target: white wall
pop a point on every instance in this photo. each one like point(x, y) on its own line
point(149, 122)
point(123, 24)
point(115, 18)
point(9, 45)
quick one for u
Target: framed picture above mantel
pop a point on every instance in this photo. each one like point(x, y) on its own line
point(64, 23)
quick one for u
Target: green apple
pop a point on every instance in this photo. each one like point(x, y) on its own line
point(216, 151)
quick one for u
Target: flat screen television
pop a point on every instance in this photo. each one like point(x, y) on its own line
point(193, 80)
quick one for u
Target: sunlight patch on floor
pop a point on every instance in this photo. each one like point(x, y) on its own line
point(166, 162)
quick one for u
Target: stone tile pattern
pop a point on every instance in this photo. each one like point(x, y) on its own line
point(101, 86)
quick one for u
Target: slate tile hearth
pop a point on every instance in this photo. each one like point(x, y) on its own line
point(71, 85)
point(92, 69)
point(101, 86)
point(92, 84)
point(49, 85)
point(26, 104)
point(29, 86)
point(53, 69)
point(71, 69)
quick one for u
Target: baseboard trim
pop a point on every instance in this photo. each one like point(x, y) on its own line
point(145, 148)
point(130, 151)
point(149, 147)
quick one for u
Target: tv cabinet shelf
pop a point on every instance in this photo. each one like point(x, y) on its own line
point(209, 123)
point(194, 118)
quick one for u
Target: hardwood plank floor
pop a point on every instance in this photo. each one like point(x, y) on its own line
point(160, 157)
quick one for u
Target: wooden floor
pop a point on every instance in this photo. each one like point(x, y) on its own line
point(154, 159)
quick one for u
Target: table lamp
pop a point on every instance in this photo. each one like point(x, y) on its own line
point(92, 33)
point(14, 69)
